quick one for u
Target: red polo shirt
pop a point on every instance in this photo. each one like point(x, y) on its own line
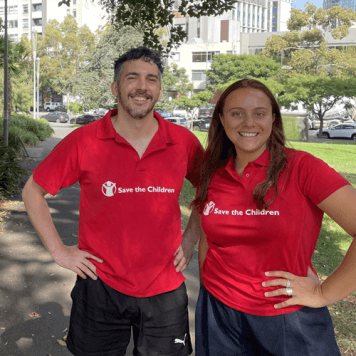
point(129, 210)
point(244, 242)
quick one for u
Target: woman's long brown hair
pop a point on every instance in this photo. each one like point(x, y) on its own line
point(220, 149)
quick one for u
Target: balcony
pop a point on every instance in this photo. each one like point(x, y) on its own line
point(37, 15)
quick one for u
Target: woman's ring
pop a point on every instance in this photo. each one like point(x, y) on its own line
point(288, 283)
point(289, 292)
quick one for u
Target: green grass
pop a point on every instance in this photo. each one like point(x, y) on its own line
point(333, 240)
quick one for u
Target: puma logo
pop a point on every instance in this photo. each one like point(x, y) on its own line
point(179, 341)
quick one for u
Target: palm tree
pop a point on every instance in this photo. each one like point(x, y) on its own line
point(17, 60)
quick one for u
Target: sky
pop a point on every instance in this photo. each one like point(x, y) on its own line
point(299, 4)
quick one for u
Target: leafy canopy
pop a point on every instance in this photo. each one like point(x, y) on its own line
point(311, 44)
point(230, 68)
point(318, 93)
point(149, 16)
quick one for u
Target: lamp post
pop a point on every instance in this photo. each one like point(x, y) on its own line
point(34, 48)
point(38, 88)
point(6, 86)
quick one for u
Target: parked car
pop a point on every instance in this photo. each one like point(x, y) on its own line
point(56, 117)
point(61, 108)
point(179, 121)
point(205, 111)
point(83, 119)
point(341, 131)
point(100, 112)
point(164, 114)
point(180, 112)
point(51, 106)
point(201, 124)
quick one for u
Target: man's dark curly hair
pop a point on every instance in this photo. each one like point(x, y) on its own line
point(143, 53)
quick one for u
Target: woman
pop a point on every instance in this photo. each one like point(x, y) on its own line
point(262, 206)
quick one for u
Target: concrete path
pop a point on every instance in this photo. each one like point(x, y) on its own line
point(34, 291)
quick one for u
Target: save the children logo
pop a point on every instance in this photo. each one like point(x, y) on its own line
point(109, 189)
point(209, 208)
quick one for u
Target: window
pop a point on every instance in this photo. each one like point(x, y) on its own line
point(25, 9)
point(274, 27)
point(74, 13)
point(233, 14)
point(198, 75)
point(25, 23)
point(176, 56)
point(13, 24)
point(68, 11)
point(13, 37)
point(12, 9)
point(74, 2)
point(37, 22)
point(201, 56)
point(1, 11)
point(37, 7)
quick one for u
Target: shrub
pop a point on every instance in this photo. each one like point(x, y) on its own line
point(10, 171)
point(29, 130)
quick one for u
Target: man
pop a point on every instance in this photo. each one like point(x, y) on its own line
point(130, 166)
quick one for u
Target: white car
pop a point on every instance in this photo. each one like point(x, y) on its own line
point(179, 121)
point(341, 131)
point(51, 106)
point(180, 112)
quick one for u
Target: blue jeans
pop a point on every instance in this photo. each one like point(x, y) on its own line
point(223, 331)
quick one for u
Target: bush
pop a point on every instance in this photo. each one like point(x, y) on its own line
point(29, 130)
point(10, 171)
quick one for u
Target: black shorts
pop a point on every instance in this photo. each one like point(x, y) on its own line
point(101, 321)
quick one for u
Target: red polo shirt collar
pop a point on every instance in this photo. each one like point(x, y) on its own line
point(262, 161)
point(106, 129)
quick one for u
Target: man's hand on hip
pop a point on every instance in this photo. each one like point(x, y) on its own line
point(76, 260)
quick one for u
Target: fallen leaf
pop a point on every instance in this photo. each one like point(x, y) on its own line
point(61, 342)
point(33, 315)
point(74, 235)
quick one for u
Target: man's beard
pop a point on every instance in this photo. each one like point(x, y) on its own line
point(136, 114)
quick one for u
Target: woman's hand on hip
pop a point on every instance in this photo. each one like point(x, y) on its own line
point(299, 290)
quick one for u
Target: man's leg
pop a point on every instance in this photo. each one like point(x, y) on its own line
point(100, 322)
point(163, 326)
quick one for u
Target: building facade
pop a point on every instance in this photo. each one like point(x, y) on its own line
point(350, 4)
point(196, 57)
point(25, 16)
point(252, 15)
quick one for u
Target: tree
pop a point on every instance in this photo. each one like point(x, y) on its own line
point(62, 49)
point(311, 42)
point(274, 86)
point(230, 67)
point(318, 94)
point(176, 79)
point(93, 82)
point(149, 16)
point(18, 57)
point(190, 104)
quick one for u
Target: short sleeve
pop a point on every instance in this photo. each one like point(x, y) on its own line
point(60, 168)
point(195, 159)
point(317, 179)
